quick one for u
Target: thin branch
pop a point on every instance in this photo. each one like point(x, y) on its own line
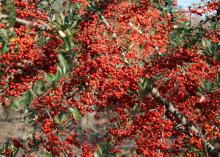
point(104, 21)
point(63, 149)
point(170, 107)
point(135, 28)
point(43, 27)
point(48, 113)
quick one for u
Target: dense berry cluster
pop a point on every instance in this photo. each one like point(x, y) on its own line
point(116, 48)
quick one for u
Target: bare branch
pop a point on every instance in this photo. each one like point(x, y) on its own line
point(104, 20)
point(43, 27)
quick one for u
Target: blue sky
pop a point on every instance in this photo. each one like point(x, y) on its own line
point(186, 3)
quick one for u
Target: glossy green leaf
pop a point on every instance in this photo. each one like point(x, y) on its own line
point(49, 78)
point(135, 108)
point(57, 76)
point(208, 86)
point(96, 154)
point(61, 60)
point(218, 77)
point(145, 85)
point(39, 87)
point(75, 113)
point(63, 63)
point(23, 100)
point(77, 6)
point(60, 118)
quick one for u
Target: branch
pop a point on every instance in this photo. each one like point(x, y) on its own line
point(43, 27)
point(104, 20)
point(170, 107)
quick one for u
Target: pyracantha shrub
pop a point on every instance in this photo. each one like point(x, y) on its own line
point(99, 77)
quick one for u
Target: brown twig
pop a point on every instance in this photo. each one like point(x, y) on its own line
point(43, 27)
point(179, 116)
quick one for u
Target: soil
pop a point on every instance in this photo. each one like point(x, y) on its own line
point(11, 125)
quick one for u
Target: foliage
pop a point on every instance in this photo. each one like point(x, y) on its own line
point(62, 61)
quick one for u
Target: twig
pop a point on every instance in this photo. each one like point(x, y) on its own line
point(135, 28)
point(48, 114)
point(43, 27)
point(104, 20)
point(63, 149)
point(170, 107)
point(162, 135)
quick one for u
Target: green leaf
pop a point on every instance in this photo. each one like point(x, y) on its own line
point(52, 79)
point(208, 86)
point(67, 44)
point(217, 57)
point(146, 82)
point(5, 48)
point(16, 152)
point(63, 63)
point(4, 34)
point(135, 108)
point(99, 149)
point(209, 48)
point(75, 113)
point(62, 34)
point(46, 154)
point(23, 100)
point(60, 118)
point(174, 10)
point(145, 85)
point(127, 111)
point(12, 13)
point(39, 87)
point(200, 90)
point(206, 43)
point(96, 154)
point(62, 60)
point(40, 39)
point(125, 60)
point(57, 76)
point(49, 78)
point(77, 6)
point(218, 77)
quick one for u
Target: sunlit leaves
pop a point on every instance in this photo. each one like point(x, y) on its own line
point(209, 85)
point(8, 147)
point(145, 85)
point(76, 6)
point(60, 118)
point(39, 87)
point(52, 79)
point(4, 41)
point(136, 108)
point(211, 49)
point(40, 39)
point(184, 35)
point(103, 149)
point(207, 46)
point(99, 152)
point(108, 82)
point(12, 11)
point(22, 101)
point(75, 113)
point(63, 63)
point(65, 24)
